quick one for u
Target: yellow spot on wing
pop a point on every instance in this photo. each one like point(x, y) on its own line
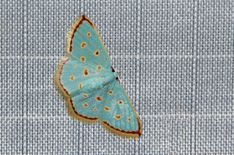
point(99, 98)
point(86, 105)
point(72, 77)
point(85, 95)
point(82, 58)
point(110, 92)
point(94, 109)
point(83, 45)
point(117, 117)
point(81, 86)
point(97, 53)
point(89, 34)
point(86, 72)
point(99, 68)
point(107, 108)
point(120, 101)
point(129, 119)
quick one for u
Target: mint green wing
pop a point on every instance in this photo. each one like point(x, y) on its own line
point(84, 88)
point(90, 104)
point(87, 46)
point(90, 84)
point(88, 67)
point(100, 96)
point(118, 111)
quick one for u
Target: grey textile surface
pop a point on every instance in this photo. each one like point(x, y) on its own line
point(176, 60)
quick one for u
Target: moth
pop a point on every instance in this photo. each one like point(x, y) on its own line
point(91, 86)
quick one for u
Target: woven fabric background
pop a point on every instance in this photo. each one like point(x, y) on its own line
point(176, 60)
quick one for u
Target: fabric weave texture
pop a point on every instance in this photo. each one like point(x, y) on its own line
point(176, 60)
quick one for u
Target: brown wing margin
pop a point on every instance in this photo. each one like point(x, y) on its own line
point(74, 29)
point(70, 105)
point(71, 108)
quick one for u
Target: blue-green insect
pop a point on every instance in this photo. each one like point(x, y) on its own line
point(91, 86)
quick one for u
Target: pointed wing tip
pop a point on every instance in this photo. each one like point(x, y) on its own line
point(84, 17)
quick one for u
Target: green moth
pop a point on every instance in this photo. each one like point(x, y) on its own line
point(91, 86)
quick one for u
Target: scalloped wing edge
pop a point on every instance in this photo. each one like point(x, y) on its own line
point(69, 103)
point(72, 112)
point(71, 109)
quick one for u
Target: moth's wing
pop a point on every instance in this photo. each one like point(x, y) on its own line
point(89, 105)
point(86, 50)
point(85, 43)
point(80, 89)
point(77, 77)
point(118, 113)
